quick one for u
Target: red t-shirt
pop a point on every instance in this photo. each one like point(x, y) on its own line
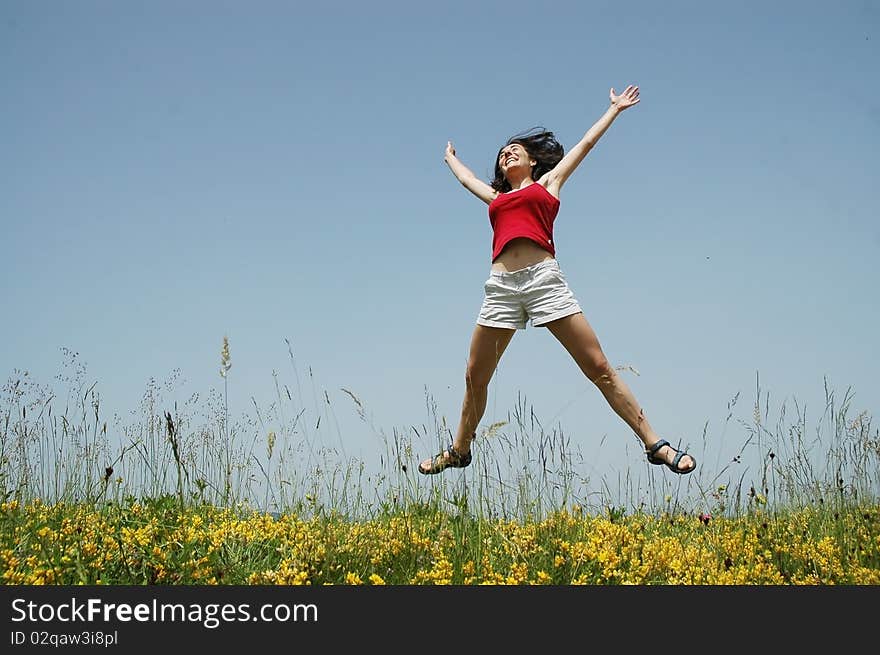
point(528, 212)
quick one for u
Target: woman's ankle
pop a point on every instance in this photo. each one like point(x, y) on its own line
point(463, 446)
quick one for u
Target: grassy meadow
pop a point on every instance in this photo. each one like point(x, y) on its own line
point(183, 495)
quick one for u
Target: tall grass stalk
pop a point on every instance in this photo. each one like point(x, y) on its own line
point(292, 458)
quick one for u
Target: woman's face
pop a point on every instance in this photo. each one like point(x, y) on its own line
point(514, 156)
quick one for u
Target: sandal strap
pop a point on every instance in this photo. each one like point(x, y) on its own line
point(458, 460)
point(657, 446)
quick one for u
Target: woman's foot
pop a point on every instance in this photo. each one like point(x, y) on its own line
point(449, 458)
point(677, 461)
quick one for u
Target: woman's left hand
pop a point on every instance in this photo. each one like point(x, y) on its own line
point(628, 98)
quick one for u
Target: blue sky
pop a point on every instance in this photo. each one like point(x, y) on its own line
point(171, 173)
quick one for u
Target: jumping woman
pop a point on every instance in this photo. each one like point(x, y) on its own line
point(526, 284)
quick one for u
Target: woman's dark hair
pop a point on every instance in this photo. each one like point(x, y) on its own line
point(541, 145)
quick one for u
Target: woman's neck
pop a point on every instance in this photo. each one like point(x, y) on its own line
point(517, 183)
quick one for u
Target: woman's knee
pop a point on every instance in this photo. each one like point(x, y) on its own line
point(600, 371)
point(476, 378)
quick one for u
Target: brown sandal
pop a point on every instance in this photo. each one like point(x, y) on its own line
point(441, 462)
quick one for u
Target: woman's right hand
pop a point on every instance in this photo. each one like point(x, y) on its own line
point(450, 150)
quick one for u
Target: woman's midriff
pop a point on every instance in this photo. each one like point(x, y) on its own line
point(519, 253)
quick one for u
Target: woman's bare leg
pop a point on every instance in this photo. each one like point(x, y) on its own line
point(487, 346)
point(577, 336)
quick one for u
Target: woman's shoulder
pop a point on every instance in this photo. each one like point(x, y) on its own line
point(547, 183)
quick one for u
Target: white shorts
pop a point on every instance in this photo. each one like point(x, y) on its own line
point(538, 292)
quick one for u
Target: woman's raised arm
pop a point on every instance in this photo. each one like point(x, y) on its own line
point(463, 174)
point(566, 166)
